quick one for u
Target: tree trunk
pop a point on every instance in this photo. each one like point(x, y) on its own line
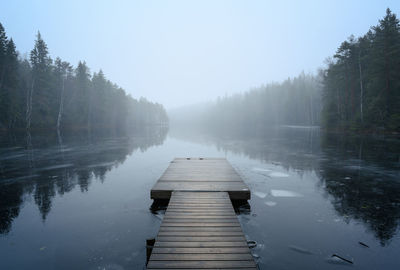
point(60, 111)
point(361, 88)
point(29, 105)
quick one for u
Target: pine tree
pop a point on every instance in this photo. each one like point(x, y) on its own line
point(3, 94)
point(10, 85)
point(41, 97)
point(62, 71)
point(82, 101)
point(362, 84)
point(386, 70)
point(53, 96)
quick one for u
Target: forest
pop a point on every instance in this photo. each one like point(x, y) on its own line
point(293, 102)
point(362, 81)
point(41, 93)
point(358, 90)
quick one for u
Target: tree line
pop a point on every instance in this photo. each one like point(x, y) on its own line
point(295, 101)
point(362, 81)
point(359, 89)
point(39, 93)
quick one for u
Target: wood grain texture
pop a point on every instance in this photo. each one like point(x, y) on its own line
point(200, 230)
point(195, 174)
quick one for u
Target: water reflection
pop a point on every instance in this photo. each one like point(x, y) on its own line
point(293, 148)
point(44, 166)
point(360, 174)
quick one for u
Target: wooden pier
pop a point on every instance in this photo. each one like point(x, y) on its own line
point(200, 229)
point(200, 174)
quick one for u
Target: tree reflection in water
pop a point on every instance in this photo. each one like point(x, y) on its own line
point(360, 173)
point(45, 166)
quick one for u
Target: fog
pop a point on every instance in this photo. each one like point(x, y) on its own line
point(182, 52)
point(98, 98)
point(295, 102)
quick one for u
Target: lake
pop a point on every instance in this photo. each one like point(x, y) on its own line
point(83, 202)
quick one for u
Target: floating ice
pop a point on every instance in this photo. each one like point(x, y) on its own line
point(260, 194)
point(7, 157)
point(300, 249)
point(284, 193)
point(105, 164)
point(261, 170)
point(278, 174)
point(270, 203)
point(21, 177)
point(55, 167)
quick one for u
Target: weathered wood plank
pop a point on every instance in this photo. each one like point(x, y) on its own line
point(246, 268)
point(201, 204)
point(200, 264)
point(200, 175)
point(201, 213)
point(202, 257)
point(201, 244)
point(201, 200)
point(189, 250)
point(204, 220)
point(200, 230)
point(197, 217)
point(201, 186)
point(200, 238)
point(223, 233)
point(199, 224)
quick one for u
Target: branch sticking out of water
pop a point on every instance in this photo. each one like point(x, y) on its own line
point(343, 259)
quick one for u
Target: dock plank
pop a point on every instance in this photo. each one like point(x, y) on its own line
point(203, 257)
point(207, 174)
point(188, 250)
point(200, 229)
point(200, 264)
point(200, 244)
point(200, 236)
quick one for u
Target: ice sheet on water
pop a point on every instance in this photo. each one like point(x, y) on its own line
point(270, 203)
point(159, 216)
point(300, 249)
point(20, 178)
point(104, 164)
point(284, 193)
point(260, 169)
point(8, 157)
point(278, 174)
point(259, 194)
point(55, 167)
point(352, 167)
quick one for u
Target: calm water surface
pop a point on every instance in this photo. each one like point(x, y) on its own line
point(83, 203)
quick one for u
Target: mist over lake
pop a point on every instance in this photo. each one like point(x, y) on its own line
point(312, 196)
point(199, 134)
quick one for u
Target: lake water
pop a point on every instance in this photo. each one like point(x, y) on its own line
point(80, 202)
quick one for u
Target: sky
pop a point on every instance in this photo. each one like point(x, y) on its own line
point(184, 52)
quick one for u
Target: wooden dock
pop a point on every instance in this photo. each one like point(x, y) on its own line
point(200, 174)
point(200, 229)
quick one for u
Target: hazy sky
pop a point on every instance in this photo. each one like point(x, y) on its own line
point(182, 52)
